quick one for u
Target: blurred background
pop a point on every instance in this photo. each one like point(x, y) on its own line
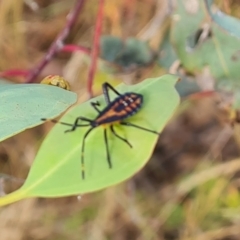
point(190, 187)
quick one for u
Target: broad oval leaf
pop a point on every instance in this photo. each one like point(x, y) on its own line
point(23, 105)
point(56, 170)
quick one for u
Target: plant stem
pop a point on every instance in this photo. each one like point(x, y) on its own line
point(12, 197)
point(14, 73)
point(58, 44)
point(95, 48)
point(76, 48)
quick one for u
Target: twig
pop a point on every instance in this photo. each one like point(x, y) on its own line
point(72, 48)
point(57, 45)
point(76, 48)
point(14, 73)
point(95, 48)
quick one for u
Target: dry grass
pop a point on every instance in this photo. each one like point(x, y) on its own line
point(187, 191)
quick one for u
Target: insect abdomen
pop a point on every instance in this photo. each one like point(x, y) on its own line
point(122, 107)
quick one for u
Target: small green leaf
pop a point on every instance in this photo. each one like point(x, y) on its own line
point(111, 46)
point(166, 59)
point(227, 22)
point(23, 105)
point(56, 170)
point(216, 49)
point(127, 54)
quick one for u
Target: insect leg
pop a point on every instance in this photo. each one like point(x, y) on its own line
point(106, 86)
point(107, 148)
point(139, 127)
point(95, 105)
point(123, 139)
point(82, 151)
point(76, 125)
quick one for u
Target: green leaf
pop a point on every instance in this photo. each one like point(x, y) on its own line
point(126, 55)
point(218, 50)
point(23, 105)
point(56, 170)
point(166, 59)
point(187, 86)
point(227, 22)
point(111, 46)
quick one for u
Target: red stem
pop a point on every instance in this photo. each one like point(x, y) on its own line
point(58, 44)
point(95, 48)
point(75, 48)
point(202, 94)
point(14, 73)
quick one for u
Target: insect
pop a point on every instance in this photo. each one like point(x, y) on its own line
point(57, 81)
point(122, 107)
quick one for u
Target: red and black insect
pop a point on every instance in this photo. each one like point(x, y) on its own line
point(116, 111)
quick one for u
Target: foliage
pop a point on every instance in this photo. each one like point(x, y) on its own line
point(59, 156)
point(190, 188)
point(23, 105)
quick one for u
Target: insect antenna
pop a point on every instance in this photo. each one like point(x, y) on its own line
point(55, 121)
point(66, 124)
point(139, 127)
